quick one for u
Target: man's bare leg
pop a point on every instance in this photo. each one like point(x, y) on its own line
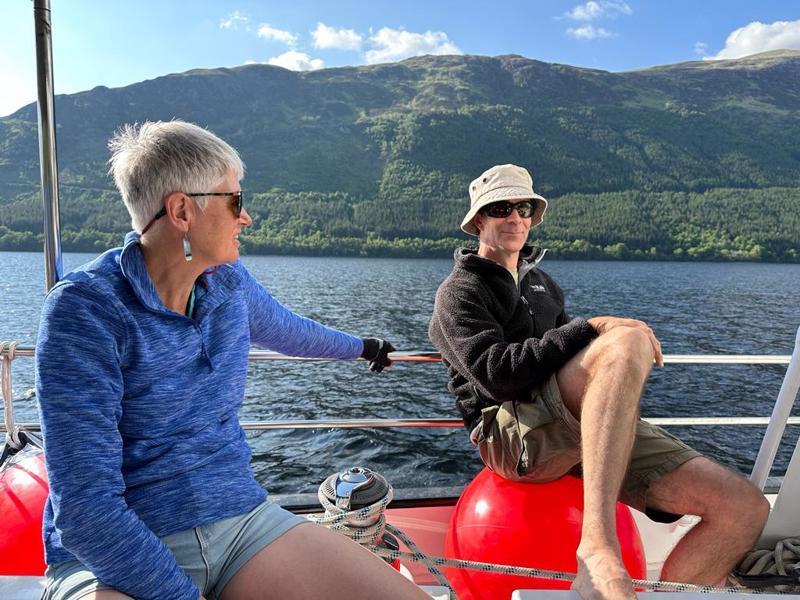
point(732, 512)
point(602, 386)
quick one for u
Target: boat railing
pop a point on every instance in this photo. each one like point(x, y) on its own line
point(776, 423)
point(432, 357)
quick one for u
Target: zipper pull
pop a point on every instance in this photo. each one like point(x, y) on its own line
point(527, 304)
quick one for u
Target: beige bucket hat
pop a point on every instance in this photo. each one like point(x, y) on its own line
point(502, 182)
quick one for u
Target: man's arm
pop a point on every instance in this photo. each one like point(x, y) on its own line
point(471, 339)
point(79, 387)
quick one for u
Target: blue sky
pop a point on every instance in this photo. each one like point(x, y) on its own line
point(116, 42)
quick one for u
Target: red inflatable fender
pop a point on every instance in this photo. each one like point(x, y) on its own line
point(23, 493)
point(528, 525)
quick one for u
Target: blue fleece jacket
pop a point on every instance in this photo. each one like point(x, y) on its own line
point(139, 405)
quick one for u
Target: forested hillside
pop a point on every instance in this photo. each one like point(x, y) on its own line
point(687, 161)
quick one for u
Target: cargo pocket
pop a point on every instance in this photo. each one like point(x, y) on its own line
point(488, 438)
point(532, 419)
point(499, 440)
point(549, 448)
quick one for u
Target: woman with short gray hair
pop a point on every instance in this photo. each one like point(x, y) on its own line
point(151, 160)
point(141, 362)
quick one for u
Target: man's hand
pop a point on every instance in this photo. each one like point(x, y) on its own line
point(605, 324)
point(376, 351)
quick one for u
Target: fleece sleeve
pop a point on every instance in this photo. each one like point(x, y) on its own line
point(79, 386)
point(274, 326)
point(472, 341)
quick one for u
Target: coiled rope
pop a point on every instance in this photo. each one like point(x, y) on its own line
point(341, 521)
point(783, 560)
point(7, 352)
point(345, 522)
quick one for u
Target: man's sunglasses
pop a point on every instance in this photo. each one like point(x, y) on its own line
point(236, 206)
point(501, 210)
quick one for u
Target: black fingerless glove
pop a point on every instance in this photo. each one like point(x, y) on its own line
point(376, 351)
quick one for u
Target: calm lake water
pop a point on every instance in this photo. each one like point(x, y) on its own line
point(695, 308)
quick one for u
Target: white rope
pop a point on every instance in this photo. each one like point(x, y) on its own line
point(785, 557)
point(656, 586)
point(7, 352)
point(346, 523)
point(429, 563)
point(342, 521)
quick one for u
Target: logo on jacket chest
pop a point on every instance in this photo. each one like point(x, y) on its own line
point(535, 287)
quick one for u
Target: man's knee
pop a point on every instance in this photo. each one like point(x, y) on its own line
point(623, 352)
point(736, 502)
point(740, 515)
point(626, 341)
point(748, 502)
point(628, 348)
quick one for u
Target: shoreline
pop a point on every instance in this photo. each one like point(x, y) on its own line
point(551, 256)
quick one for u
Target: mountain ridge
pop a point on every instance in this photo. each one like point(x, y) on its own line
point(394, 139)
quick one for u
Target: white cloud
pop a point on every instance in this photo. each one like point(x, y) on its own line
point(595, 10)
point(233, 20)
point(389, 45)
point(271, 33)
point(701, 48)
point(598, 9)
point(589, 32)
point(758, 37)
point(330, 37)
point(296, 61)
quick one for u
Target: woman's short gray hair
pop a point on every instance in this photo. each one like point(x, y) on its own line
point(151, 160)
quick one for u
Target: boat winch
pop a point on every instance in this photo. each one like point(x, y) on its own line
point(354, 499)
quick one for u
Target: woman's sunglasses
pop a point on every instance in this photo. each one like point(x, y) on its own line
point(236, 205)
point(500, 210)
point(237, 196)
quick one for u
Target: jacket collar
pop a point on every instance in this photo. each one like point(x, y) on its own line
point(529, 257)
point(213, 289)
point(134, 270)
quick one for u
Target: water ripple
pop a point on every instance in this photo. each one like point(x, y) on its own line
point(699, 308)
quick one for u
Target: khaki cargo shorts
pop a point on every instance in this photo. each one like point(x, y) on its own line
point(540, 441)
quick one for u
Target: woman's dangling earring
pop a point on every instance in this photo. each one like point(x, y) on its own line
point(187, 248)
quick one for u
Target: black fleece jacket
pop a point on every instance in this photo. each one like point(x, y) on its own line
point(500, 340)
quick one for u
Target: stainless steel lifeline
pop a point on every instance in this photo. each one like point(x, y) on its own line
point(427, 357)
point(424, 356)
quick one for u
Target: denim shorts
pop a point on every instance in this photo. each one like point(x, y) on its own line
point(540, 440)
point(210, 554)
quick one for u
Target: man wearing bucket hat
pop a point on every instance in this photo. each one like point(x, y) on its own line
point(543, 395)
